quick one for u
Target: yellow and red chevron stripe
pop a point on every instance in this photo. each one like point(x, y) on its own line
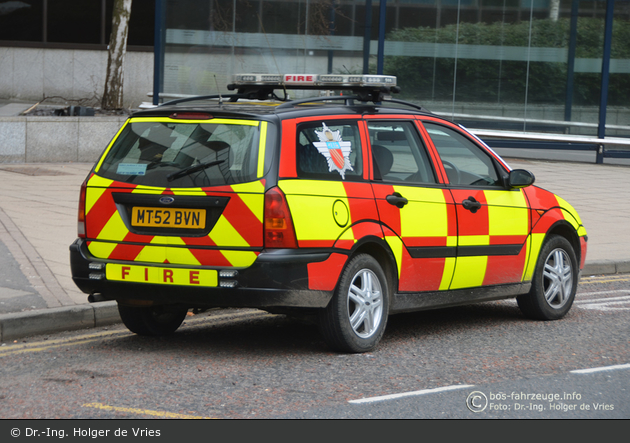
point(239, 228)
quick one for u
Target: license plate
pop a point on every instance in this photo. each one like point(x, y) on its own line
point(168, 217)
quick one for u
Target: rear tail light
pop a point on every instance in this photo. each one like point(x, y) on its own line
point(81, 218)
point(279, 231)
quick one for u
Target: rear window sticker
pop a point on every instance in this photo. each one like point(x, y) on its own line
point(131, 169)
point(335, 150)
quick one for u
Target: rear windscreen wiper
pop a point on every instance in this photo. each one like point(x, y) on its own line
point(191, 169)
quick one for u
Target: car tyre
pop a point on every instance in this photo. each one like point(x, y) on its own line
point(355, 319)
point(152, 320)
point(554, 283)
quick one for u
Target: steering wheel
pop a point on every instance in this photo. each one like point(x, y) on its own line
point(454, 180)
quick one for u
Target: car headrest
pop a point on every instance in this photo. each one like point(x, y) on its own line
point(383, 159)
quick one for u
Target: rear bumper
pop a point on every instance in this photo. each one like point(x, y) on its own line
point(276, 279)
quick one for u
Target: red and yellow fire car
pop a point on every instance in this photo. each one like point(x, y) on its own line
point(347, 207)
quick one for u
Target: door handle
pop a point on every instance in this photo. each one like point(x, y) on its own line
point(397, 200)
point(471, 204)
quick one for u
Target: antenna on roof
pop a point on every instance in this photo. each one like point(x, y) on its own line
point(218, 90)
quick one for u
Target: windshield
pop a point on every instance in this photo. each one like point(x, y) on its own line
point(150, 152)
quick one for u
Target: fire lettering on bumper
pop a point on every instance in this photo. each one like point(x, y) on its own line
point(160, 275)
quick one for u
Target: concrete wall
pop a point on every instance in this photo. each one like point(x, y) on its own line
point(32, 73)
point(55, 139)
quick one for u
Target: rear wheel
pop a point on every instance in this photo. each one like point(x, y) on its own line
point(355, 318)
point(554, 282)
point(152, 320)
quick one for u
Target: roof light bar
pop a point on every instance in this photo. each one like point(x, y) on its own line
point(323, 80)
point(257, 79)
point(357, 80)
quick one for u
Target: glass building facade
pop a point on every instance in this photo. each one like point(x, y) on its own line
point(505, 64)
point(533, 65)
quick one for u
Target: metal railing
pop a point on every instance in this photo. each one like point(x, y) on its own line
point(609, 147)
point(495, 121)
point(530, 140)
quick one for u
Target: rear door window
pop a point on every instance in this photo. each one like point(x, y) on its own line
point(329, 151)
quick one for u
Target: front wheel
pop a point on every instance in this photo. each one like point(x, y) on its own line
point(152, 320)
point(355, 318)
point(554, 283)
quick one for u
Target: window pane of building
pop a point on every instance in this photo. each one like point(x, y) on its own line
point(74, 21)
point(21, 21)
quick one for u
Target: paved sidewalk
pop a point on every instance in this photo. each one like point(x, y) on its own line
point(38, 222)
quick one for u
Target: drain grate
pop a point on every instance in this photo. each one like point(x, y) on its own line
point(33, 171)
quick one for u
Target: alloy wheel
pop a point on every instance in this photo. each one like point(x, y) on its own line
point(365, 303)
point(557, 278)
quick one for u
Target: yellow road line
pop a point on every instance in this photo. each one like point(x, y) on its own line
point(44, 345)
point(43, 348)
point(606, 279)
point(609, 276)
point(162, 414)
point(52, 344)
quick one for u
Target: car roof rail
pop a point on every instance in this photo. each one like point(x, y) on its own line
point(231, 97)
point(406, 103)
point(265, 93)
point(349, 101)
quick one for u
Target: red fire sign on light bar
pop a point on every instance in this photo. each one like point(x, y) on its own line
point(300, 79)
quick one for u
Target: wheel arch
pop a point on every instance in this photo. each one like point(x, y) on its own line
point(380, 250)
point(566, 230)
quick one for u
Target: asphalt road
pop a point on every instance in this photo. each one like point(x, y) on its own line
point(236, 364)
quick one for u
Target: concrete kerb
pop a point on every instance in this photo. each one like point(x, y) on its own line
point(47, 321)
point(606, 268)
point(71, 318)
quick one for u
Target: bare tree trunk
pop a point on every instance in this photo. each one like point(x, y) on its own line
point(554, 10)
point(113, 94)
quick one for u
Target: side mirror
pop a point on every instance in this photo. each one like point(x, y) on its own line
point(520, 178)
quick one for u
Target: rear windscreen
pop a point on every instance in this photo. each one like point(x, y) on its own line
point(182, 155)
